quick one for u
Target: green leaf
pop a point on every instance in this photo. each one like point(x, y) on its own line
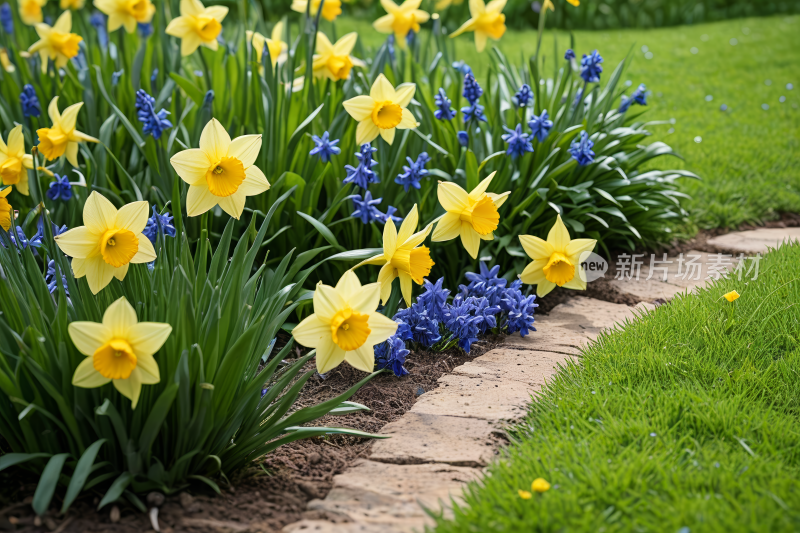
point(472, 171)
point(11, 459)
point(47, 483)
point(156, 417)
point(320, 227)
point(116, 489)
point(81, 473)
point(191, 90)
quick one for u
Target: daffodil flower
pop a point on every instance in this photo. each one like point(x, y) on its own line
point(8, 66)
point(118, 350)
point(402, 257)
point(6, 212)
point(333, 61)
point(62, 137)
point(56, 42)
point(383, 111)
point(486, 20)
point(444, 4)
point(220, 172)
point(126, 13)
point(72, 4)
point(556, 261)
point(330, 10)
point(278, 50)
point(197, 25)
point(401, 19)
point(473, 216)
point(345, 325)
point(30, 11)
point(14, 161)
point(109, 242)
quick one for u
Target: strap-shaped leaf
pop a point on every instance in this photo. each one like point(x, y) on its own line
point(81, 473)
point(47, 483)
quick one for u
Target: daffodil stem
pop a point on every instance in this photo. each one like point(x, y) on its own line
point(206, 72)
point(542, 17)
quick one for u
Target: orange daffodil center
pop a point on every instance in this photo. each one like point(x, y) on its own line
point(402, 19)
point(333, 61)
point(126, 13)
point(119, 350)
point(62, 137)
point(345, 325)
point(402, 256)
point(556, 261)
point(383, 111)
point(486, 20)
point(472, 216)
point(221, 172)
point(14, 161)
point(197, 26)
point(56, 43)
point(109, 242)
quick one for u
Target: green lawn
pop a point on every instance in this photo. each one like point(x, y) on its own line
point(749, 157)
point(687, 418)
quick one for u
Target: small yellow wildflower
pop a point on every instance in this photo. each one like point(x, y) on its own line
point(62, 137)
point(731, 296)
point(383, 111)
point(6, 212)
point(330, 10)
point(524, 494)
point(120, 350)
point(56, 42)
point(125, 13)
point(30, 11)
point(333, 61)
point(486, 20)
point(197, 25)
point(401, 19)
point(540, 485)
point(14, 161)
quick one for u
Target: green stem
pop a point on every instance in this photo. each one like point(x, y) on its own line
point(542, 17)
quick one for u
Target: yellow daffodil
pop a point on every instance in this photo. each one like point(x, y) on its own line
point(383, 111)
point(330, 10)
point(6, 212)
point(486, 20)
point(30, 11)
point(8, 66)
point(473, 216)
point(556, 261)
point(278, 50)
point(197, 25)
point(524, 494)
point(731, 296)
point(540, 485)
point(401, 19)
point(62, 137)
point(56, 42)
point(220, 172)
point(402, 257)
point(124, 13)
point(444, 4)
point(333, 61)
point(119, 350)
point(14, 161)
point(73, 4)
point(345, 325)
point(109, 242)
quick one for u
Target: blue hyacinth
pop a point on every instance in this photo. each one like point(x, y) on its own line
point(483, 283)
point(472, 91)
point(462, 67)
point(7, 18)
point(413, 172)
point(520, 310)
point(159, 225)
point(443, 111)
point(98, 21)
point(625, 103)
point(324, 147)
point(434, 299)
point(463, 324)
point(392, 354)
point(524, 96)
point(60, 189)
point(518, 143)
point(154, 123)
point(569, 54)
point(540, 126)
point(21, 241)
point(383, 218)
point(591, 68)
point(115, 77)
point(52, 281)
point(362, 175)
point(581, 150)
point(463, 138)
point(365, 207)
point(640, 95)
point(414, 324)
point(473, 113)
point(145, 29)
point(29, 102)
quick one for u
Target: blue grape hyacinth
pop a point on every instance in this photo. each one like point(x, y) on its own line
point(473, 113)
point(7, 18)
point(524, 96)
point(416, 325)
point(472, 91)
point(581, 150)
point(463, 138)
point(60, 189)
point(569, 54)
point(98, 21)
point(443, 103)
point(324, 147)
point(362, 175)
point(52, 281)
point(30, 102)
point(154, 123)
point(159, 225)
point(540, 126)
point(413, 172)
point(518, 143)
point(392, 354)
point(365, 207)
point(640, 95)
point(434, 299)
point(591, 67)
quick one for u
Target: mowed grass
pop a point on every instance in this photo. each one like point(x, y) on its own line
point(748, 157)
point(686, 418)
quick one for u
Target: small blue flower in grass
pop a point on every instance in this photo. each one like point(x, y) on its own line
point(30, 102)
point(473, 113)
point(159, 224)
point(540, 126)
point(414, 324)
point(443, 103)
point(524, 96)
point(392, 355)
point(362, 175)
point(472, 91)
point(115, 76)
point(52, 281)
point(98, 21)
point(640, 95)
point(413, 172)
point(581, 150)
point(40, 230)
point(365, 208)
point(569, 54)
point(145, 29)
point(324, 147)
point(7, 18)
point(60, 189)
point(463, 138)
point(21, 241)
point(518, 143)
point(434, 299)
point(462, 67)
point(591, 67)
point(389, 215)
point(625, 103)
point(154, 123)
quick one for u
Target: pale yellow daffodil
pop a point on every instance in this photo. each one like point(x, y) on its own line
point(73, 4)
point(444, 4)
point(197, 25)
point(126, 13)
point(383, 111)
point(6, 211)
point(330, 10)
point(118, 350)
point(333, 61)
point(14, 161)
point(401, 19)
point(56, 42)
point(109, 242)
point(473, 216)
point(30, 11)
point(486, 20)
point(402, 257)
point(62, 137)
point(278, 50)
point(345, 325)
point(8, 66)
point(556, 261)
point(221, 172)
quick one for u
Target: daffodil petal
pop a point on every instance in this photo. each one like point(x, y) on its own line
point(329, 355)
point(98, 213)
point(245, 149)
point(384, 24)
point(327, 302)
point(544, 288)
point(408, 227)
point(405, 286)
point(388, 134)
point(86, 377)
point(359, 107)
point(88, 336)
point(576, 282)
point(310, 331)
point(533, 273)
point(147, 370)
point(79, 242)
point(470, 240)
point(366, 299)
point(478, 191)
point(381, 328)
point(362, 358)
point(348, 285)
point(452, 197)
point(366, 132)
point(122, 271)
point(146, 253)
point(233, 204)
point(404, 93)
point(255, 182)
point(199, 200)
point(146, 338)
point(133, 216)
point(131, 388)
point(389, 240)
point(498, 199)
point(214, 140)
point(407, 120)
point(385, 278)
point(69, 117)
point(577, 247)
point(448, 227)
point(382, 90)
point(558, 235)
point(345, 45)
point(119, 317)
point(535, 247)
point(98, 273)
